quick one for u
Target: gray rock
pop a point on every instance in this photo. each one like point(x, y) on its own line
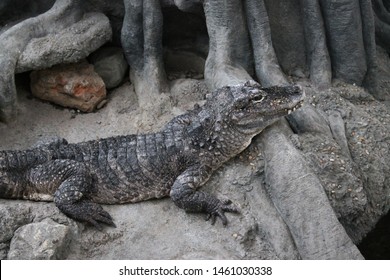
point(181, 61)
point(110, 64)
point(12, 217)
point(46, 240)
point(66, 46)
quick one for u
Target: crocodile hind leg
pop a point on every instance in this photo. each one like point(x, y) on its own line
point(71, 184)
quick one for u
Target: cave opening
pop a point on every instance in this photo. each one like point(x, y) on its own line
point(185, 43)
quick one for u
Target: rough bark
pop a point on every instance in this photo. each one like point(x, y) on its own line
point(229, 56)
point(286, 21)
point(318, 55)
point(267, 67)
point(301, 200)
point(345, 38)
point(376, 80)
point(142, 43)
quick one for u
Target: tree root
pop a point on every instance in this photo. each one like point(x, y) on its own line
point(319, 60)
point(267, 67)
point(300, 199)
point(142, 43)
point(376, 26)
point(228, 61)
point(70, 45)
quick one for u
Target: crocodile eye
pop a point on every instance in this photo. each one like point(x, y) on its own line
point(258, 98)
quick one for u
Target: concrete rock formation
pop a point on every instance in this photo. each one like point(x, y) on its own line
point(45, 240)
point(110, 64)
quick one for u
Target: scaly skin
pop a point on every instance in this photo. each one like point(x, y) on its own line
point(175, 161)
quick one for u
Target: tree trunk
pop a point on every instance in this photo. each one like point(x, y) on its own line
point(229, 57)
point(142, 42)
point(319, 60)
point(266, 64)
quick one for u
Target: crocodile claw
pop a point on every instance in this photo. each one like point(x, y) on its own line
point(86, 211)
point(219, 211)
point(97, 215)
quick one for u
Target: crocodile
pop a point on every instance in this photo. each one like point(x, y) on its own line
point(175, 161)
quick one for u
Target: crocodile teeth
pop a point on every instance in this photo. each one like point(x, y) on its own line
point(289, 112)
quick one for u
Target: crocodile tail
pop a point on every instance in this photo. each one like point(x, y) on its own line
point(20, 160)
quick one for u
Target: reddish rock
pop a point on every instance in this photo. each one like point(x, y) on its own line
point(70, 85)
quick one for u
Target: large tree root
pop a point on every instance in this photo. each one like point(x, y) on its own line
point(227, 61)
point(319, 60)
point(377, 80)
point(66, 46)
point(15, 39)
point(267, 67)
point(142, 43)
point(300, 199)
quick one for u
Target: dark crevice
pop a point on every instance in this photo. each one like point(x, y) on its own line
point(184, 30)
point(376, 245)
point(12, 11)
point(185, 42)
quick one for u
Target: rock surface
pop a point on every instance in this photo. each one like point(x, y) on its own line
point(45, 240)
point(110, 64)
point(66, 46)
point(71, 85)
point(12, 217)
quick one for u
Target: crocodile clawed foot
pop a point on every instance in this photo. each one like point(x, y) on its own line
point(87, 211)
point(219, 211)
point(98, 215)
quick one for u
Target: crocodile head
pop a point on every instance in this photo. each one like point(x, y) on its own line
point(249, 108)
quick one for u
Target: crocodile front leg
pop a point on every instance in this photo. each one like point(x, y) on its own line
point(185, 195)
